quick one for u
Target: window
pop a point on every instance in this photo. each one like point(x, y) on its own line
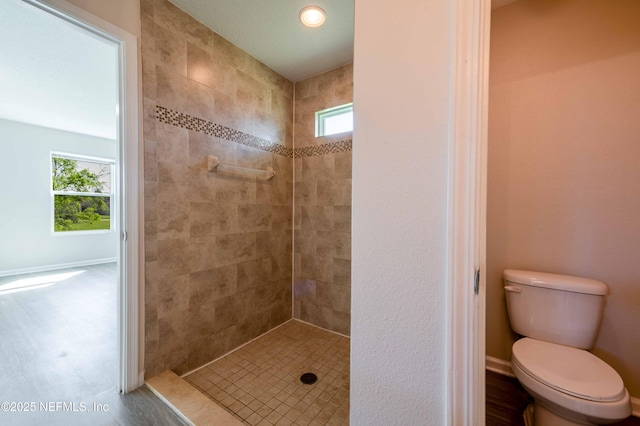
point(334, 120)
point(82, 193)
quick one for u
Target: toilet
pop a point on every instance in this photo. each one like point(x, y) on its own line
point(559, 317)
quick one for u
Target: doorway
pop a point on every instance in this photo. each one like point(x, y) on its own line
point(55, 119)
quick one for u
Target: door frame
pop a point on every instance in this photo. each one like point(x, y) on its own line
point(129, 175)
point(467, 212)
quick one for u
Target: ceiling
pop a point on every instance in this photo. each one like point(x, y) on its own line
point(53, 74)
point(270, 31)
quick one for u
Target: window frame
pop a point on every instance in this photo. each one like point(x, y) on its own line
point(111, 194)
point(321, 116)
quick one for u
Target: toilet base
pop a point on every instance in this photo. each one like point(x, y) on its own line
point(544, 417)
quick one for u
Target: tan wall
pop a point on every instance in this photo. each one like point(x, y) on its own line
point(564, 160)
point(322, 266)
point(218, 248)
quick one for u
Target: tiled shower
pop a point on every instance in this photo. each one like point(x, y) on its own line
point(228, 258)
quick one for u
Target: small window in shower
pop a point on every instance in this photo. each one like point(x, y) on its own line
point(334, 120)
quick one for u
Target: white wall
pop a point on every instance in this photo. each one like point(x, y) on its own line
point(401, 101)
point(26, 237)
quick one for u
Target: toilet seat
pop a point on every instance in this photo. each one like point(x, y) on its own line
point(571, 371)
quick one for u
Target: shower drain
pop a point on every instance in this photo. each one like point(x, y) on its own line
point(308, 378)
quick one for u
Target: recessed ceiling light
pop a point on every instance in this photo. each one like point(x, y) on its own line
point(312, 16)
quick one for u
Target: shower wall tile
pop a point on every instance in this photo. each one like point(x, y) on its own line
point(322, 214)
point(314, 94)
point(217, 248)
point(173, 294)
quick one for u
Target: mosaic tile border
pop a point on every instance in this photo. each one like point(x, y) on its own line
point(327, 148)
point(189, 122)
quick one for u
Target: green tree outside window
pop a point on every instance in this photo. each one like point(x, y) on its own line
point(77, 203)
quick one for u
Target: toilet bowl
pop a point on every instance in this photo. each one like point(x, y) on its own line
point(570, 386)
point(559, 317)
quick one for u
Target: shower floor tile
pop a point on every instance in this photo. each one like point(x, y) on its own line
point(260, 382)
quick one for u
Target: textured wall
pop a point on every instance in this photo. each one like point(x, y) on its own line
point(563, 175)
point(218, 248)
point(322, 266)
point(400, 155)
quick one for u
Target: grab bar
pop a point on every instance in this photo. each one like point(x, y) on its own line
point(214, 165)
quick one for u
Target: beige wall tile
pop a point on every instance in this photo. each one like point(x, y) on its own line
point(254, 217)
point(172, 144)
point(202, 321)
point(305, 193)
point(173, 220)
point(231, 189)
point(253, 272)
point(173, 182)
point(342, 218)
point(234, 248)
point(175, 361)
point(199, 65)
point(341, 245)
point(172, 332)
point(182, 25)
point(305, 290)
point(174, 257)
point(322, 231)
point(170, 88)
point(210, 285)
point(342, 272)
point(253, 158)
point(173, 294)
point(341, 298)
point(226, 312)
point(170, 50)
point(199, 101)
point(342, 322)
point(151, 202)
point(342, 165)
point(150, 158)
point(281, 269)
point(342, 194)
point(281, 218)
point(151, 241)
point(219, 248)
point(207, 219)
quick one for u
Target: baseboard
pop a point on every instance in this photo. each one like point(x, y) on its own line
point(503, 367)
point(499, 366)
point(8, 272)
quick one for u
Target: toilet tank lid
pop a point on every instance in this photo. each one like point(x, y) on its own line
point(555, 281)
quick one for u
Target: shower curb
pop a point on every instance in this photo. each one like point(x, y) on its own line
point(186, 401)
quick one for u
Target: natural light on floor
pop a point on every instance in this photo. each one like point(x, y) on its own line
point(35, 283)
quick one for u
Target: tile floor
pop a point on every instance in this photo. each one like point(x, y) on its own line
point(259, 383)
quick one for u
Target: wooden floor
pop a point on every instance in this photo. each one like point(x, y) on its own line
point(58, 352)
point(506, 401)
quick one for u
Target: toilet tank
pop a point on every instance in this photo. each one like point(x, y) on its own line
point(555, 308)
